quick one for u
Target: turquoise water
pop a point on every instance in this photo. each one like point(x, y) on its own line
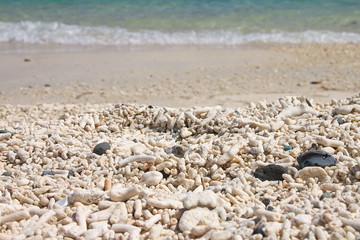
point(163, 22)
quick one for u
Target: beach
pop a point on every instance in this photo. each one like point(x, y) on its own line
point(167, 119)
point(256, 142)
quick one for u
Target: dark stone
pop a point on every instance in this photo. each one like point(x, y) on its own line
point(271, 172)
point(266, 201)
point(308, 102)
point(134, 140)
point(101, 148)
point(258, 130)
point(49, 135)
point(175, 128)
point(316, 158)
point(165, 175)
point(177, 150)
point(71, 174)
point(47, 85)
point(325, 195)
point(5, 131)
point(6, 174)
point(211, 131)
point(259, 230)
point(270, 208)
point(314, 146)
point(315, 82)
point(287, 148)
point(340, 121)
point(47, 173)
point(150, 107)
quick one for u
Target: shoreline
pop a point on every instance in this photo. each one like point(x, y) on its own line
point(37, 48)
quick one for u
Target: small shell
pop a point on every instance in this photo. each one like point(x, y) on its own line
point(311, 172)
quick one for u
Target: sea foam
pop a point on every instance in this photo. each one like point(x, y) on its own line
point(59, 33)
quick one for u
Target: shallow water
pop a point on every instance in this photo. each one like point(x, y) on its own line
point(165, 22)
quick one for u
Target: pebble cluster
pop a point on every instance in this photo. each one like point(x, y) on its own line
point(142, 172)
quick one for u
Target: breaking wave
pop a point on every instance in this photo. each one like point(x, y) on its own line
point(59, 33)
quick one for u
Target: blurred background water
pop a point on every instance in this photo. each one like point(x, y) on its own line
point(174, 22)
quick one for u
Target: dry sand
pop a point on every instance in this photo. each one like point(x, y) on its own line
point(178, 77)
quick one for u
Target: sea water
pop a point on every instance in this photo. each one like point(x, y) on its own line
point(178, 22)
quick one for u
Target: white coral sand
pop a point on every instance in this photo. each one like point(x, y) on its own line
point(139, 189)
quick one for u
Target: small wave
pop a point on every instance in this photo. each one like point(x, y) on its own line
point(39, 32)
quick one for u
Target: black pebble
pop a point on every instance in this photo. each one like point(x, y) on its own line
point(340, 121)
point(5, 131)
point(6, 174)
point(101, 148)
point(316, 158)
point(175, 128)
point(271, 172)
point(314, 146)
point(315, 82)
point(165, 175)
point(325, 195)
point(71, 174)
point(211, 131)
point(308, 102)
point(47, 173)
point(266, 201)
point(259, 230)
point(270, 208)
point(49, 135)
point(150, 107)
point(177, 150)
